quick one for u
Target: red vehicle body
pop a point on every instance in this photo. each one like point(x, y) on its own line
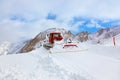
point(55, 36)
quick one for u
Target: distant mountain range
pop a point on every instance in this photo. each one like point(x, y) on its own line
point(80, 37)
point(105, 33)
point(102, 37)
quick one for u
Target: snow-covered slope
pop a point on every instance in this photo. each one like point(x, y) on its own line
point(37, 65)
point(10, 47)
point(16, 46)
point(96, 63)
point(109, 42)
point(105, 33)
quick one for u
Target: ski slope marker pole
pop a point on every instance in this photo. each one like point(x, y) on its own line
point(114, 41)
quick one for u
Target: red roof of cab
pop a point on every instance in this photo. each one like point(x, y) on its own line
point(55, 32)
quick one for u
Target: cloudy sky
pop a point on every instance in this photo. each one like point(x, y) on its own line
point(21, 19)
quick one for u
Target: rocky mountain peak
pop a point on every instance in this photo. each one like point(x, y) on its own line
point(105, 34)
point(82, 36)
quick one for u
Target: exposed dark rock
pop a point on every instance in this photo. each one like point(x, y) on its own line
point(82, 36)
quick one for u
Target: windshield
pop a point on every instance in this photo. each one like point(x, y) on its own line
point(56, 35)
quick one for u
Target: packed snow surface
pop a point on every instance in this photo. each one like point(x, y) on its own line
point(98, 62)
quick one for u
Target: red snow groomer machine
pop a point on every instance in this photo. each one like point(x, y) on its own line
point(55, 43)
point(51, 38)
point(55, 36)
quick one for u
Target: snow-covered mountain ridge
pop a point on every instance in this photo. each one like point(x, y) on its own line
point(104, 34)
point(99, 37)
point(80, 37)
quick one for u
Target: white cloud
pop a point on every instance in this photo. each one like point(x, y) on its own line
point(9, 30)
point(94, 23)
point(37, 10)
point(14, 30)
point(75, 27)
point(65, 9)
point(42, 25)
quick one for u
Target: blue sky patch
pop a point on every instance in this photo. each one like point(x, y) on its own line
point(51, 16)
point(95, 24)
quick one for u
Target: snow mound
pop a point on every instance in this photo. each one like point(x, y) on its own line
point(4, 48)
